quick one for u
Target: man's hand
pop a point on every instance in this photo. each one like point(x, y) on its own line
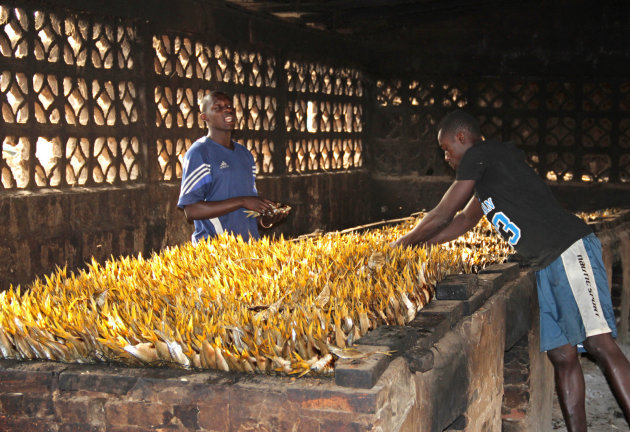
point(404, 242)
point(278, 214)
point(257, 204)
point(398, 243)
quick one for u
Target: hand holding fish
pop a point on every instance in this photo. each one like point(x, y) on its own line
point(256, 205)
point(272, 216)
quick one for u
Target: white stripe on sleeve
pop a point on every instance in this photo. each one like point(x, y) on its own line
point(191, 180)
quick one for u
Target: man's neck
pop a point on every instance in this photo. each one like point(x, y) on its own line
point(223, 138)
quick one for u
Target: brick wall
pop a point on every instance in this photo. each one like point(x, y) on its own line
point(446, 370)
point(48, 228)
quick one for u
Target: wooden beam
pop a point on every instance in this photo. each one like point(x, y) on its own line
point(367, 16)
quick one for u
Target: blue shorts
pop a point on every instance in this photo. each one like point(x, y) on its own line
point(573, 296)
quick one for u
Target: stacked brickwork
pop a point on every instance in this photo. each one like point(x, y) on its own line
point(469, 361)
point(51, 396)
point(444, 370)
point(516, 396)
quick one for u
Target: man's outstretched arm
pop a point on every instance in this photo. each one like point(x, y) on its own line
point(212, 209)
point(441, 216)
point(461, 223)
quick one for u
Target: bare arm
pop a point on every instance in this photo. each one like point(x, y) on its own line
point(461, 223)
point(441, 216)
point(212, 209)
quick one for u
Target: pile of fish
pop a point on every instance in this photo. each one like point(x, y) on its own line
point(602, 215)
point(267, 306)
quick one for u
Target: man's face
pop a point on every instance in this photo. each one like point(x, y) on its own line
point(454, 147)
point(220, 114)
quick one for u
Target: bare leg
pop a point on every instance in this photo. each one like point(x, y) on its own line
point(569, 386)
point(615, 365)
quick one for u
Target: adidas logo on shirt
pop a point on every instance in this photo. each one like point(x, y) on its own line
point(223, 165)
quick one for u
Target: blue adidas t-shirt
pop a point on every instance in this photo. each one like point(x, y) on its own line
point(213, 172)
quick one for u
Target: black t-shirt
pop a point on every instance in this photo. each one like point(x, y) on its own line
point(519, 204)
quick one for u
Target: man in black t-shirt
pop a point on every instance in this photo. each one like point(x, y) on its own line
point(494, 180)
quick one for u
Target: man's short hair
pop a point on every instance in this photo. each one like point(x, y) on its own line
point(207, 100)
point(459, 119)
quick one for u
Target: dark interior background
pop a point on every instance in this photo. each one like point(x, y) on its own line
point(337, 100)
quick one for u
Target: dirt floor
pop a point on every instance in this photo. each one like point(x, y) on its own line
point(602, 411)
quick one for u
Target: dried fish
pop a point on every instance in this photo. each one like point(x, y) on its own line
point(321, 363)
point(276, 208)
point(281, 306)
point(145, 352)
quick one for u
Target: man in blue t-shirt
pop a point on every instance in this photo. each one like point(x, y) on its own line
point(493, 179)
point(218, 179)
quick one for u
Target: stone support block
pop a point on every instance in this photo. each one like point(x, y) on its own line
point(477, 299)
point(451, 310)
point(509, 271)
point(491, 281)
point(456, 287)
point(431, 327)
point(392, 338)
point(365, 371)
